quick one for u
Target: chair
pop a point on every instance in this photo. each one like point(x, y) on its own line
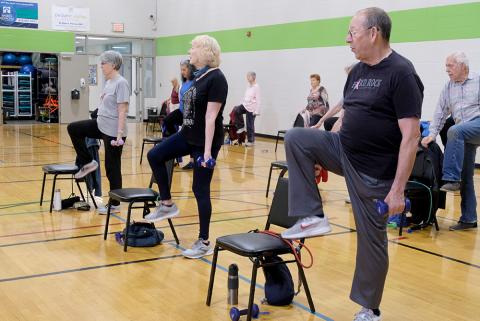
point(152, 119)
point(147, 196)
point(61, 170)
point(149, 140)
point(257, 246)
point(282, 133)
point(277, 165)
point(425, 176)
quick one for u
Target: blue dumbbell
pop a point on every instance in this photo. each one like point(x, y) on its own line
point(235, 313)
point(382, 207)
point(210, 163)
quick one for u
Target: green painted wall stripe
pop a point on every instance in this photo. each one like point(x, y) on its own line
point(36, 40)
point(460, 21)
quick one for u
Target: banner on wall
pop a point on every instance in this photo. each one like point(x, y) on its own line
point(18, 14)
point(69, 18)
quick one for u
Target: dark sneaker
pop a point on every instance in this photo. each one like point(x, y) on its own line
point(188, 166)
point(451, 187)
point(460, 226)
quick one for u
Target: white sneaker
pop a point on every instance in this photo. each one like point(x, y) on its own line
point(162, 212)
point(249, 144)
point(309, 226)
point(348, 200)
point(199, 249)
point(366, 315)
point(86, 169)
point(103, 210)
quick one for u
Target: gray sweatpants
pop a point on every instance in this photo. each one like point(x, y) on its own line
point(305, 147)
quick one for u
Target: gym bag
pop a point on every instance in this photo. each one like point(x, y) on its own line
point(140, 234)
point(279, 287)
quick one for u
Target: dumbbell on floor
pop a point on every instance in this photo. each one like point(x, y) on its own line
point(235, 313)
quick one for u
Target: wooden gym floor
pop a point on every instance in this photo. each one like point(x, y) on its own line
point(58, 267)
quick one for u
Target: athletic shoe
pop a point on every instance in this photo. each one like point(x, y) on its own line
point(249, 144)
point(103, 210)
point(460, 226)
point(366, 315)
point(348, 200)
point(86, 169)
point(309, 226)
point(199, 249)
point(451, 187)
point(162, 212)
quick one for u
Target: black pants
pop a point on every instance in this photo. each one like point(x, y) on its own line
point(443, 133)
point(177, 146)
point(240, 123)
point(328, 124)
point(78, 131)
point(172, 121)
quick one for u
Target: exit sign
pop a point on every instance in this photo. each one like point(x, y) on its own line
point(118, 27)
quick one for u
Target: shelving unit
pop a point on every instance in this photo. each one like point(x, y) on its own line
point(47, 91)
point(16, 94)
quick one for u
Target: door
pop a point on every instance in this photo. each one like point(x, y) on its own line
point(73, 75)
point(136, 98)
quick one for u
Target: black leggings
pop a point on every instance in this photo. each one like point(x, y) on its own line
point(78, 131)
point(172, 121)
point(177, 146)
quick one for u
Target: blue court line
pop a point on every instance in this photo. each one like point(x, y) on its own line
point(247, 280)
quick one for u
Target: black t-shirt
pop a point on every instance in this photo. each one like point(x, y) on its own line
point(208, 87)
point(375, 97)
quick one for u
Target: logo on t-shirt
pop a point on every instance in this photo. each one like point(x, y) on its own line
point(188, 99)
point(366, 84)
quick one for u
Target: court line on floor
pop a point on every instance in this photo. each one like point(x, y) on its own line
point(435, 254)
point(259, 286)
point(87, 268)
point(123, 221)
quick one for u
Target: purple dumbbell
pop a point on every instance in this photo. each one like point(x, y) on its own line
point(210, 163)
point(382, 207)
point(113, 142)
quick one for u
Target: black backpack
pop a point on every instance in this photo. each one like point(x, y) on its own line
point(279, 287)
point(141, 234)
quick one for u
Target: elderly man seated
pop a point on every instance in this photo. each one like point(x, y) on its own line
point(460, 98)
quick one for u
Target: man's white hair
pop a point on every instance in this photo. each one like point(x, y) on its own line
point(460, 57)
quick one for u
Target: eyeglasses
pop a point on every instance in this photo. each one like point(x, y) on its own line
point(352, 34)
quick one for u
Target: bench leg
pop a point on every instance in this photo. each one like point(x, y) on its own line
point(53, 191)
point(129, 213)
point(43, 188)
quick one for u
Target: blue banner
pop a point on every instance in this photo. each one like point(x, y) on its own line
point(18, 14)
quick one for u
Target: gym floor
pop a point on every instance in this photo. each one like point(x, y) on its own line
point(58, 267)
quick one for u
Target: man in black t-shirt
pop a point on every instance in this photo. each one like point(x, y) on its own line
point(374, 150)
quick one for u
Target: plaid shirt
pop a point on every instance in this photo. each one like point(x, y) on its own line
point(461, 100)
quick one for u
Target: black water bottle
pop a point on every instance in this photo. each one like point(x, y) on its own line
point(233, 284)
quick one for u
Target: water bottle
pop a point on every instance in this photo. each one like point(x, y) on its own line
point(57, 200)
point(233, 284)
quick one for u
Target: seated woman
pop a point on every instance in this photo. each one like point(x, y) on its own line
point(317, 103)
point(201, 136)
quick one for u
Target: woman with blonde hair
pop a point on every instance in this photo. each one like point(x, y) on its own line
point(201, 136)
